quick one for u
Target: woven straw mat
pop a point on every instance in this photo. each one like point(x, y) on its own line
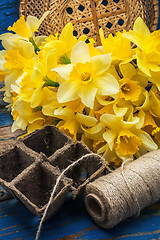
point(89, 15)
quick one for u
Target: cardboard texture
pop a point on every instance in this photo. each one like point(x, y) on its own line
point(30, 168)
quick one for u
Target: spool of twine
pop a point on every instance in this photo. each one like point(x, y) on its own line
point(124, 192)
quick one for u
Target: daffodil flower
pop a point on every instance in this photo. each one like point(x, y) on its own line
point(147, 51)
point(131, 82)
point(85, 77)
point(119, 136)
point(26, 28)
point(61, 47)
point(23, 115)
point(123, 137)
point(154, 102)
point(118, 46)
point(73, 121)
point(156, 136)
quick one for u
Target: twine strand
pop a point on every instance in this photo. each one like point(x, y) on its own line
point(129, 188)
point(52, 195)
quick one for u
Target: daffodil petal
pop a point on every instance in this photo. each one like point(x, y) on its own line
point(154, 104)
point(33, 22)
point(108, 155)
point(20, 27)
point(110, 136)
point(64, 113)
point(140, 27)
point(88, 96)
point(11, 78)
point(37, 98)
point(119, 111)
point(45, 14)
point(107, 84)
point(20, 123)
point(110, 120)
point(80, 53)
point(67, 92)
point(64, 71)
point(93, 130)
point(127, 70)
point(35, 117)
point(94, 133)
point(51, 60)
point(144, 105)
point(101, 33)
point(26, 48)
point(86, 120)
point(101, 63)
point(141, 115)
point(48, 110)
point(142, 63)
point(154, 67)
point(67, 36)
point(147, 142)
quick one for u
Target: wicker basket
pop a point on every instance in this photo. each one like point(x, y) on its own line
point(89, 15)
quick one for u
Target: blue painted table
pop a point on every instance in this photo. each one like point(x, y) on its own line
point(72, 222)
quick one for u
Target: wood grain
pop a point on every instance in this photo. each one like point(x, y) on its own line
point(7, 137)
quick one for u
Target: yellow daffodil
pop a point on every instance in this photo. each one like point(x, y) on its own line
point(14, 60)
point(106, 96)
point(127, 143)
point(73, 121)
point(131, 82)
point(118, 46)
point(124, 138)
point(129, 90)
point(2, 75)
point(24, 115)
point(155, 79)
point(156, 135)
point(85, 77)
point(147, 52)
point(154, 102)
point(148, 144)
point(27, 28)
point(60, 48)
point(149, 123)
point(118, 134)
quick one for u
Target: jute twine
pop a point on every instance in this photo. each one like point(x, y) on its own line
point(124, 192)
point(51, 198)
point(53, 193)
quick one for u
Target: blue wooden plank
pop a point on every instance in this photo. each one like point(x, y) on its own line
point(5, 119)
point(8, 14)
point(73, 222)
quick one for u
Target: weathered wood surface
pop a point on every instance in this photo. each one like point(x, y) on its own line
point(8, 138)
point(73, 223)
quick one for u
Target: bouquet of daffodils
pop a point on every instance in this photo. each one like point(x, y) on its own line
point(106, 96)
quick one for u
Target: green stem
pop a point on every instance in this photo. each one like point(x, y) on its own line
point(50, 83)
point(36, 48)
point(56, 121)
point(64, 59)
